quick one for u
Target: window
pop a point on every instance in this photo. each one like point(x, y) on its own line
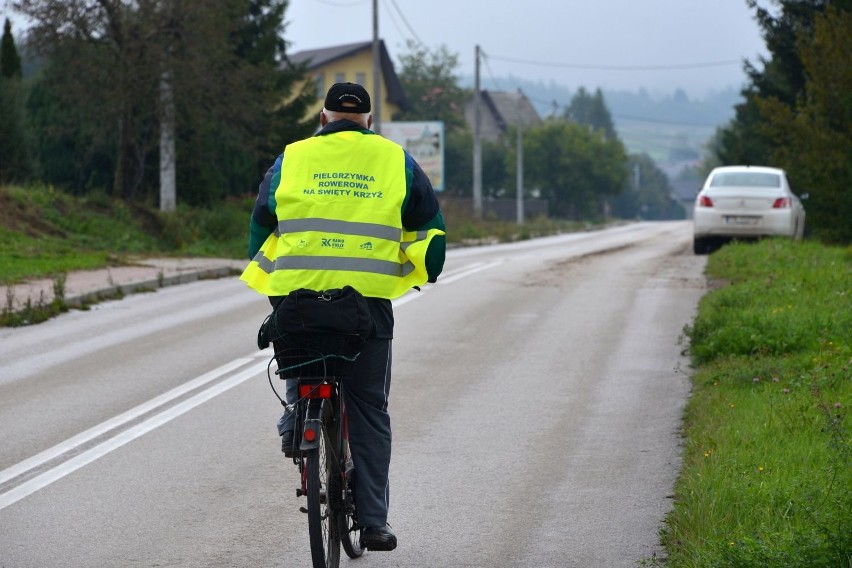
point(320, 80)
point(340, 77)
point(361, 79)
point(745, 179)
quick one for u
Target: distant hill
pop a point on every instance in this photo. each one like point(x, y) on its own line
point(671, 128)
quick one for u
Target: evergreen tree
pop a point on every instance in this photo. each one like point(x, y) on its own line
point(782, 77)
point(796, 113)
point(591, 111)
point(813, 137)
point(10, 61)
point(235, 154)
point(15, 161)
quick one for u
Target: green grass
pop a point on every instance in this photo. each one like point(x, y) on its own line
point(23, 256)
point(44, 232)
point(767, 474)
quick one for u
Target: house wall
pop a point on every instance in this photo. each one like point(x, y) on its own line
point(488, 127)
point(357, 68)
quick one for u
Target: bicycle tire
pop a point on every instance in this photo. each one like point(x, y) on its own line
point(340, 482)
point(322, 525)
point(347, 524)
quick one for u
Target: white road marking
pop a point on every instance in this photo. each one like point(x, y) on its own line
point(90, 455)
point(469, 271)
point(56, 473)
point(117, 421)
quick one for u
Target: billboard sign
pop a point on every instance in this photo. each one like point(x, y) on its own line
point(425, 142)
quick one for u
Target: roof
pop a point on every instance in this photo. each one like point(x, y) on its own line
point(510, 107)
point(749, 168)
point(316, 58)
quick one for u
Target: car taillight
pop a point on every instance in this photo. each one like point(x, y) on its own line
point(704, 201)
point(781, 203)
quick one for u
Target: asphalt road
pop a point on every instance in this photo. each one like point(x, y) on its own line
point(536, 403)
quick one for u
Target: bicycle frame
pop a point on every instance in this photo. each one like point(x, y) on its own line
point(315, 394)
point(321, 419)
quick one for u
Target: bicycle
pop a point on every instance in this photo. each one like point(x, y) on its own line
point(322, 452)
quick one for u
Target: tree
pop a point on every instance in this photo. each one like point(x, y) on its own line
point(108, 61)
point(813, 136)
point(15, 161)
point(591, 110)
point(648, 194)
point(458, 163)
point(782, 77)
point(431, 86)
point(795, 113)
point(574, 168)
point(226, 155)
point(10, 61)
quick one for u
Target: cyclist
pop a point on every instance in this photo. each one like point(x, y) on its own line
point(349, 207)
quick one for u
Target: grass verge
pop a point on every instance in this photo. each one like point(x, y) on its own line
point(767, 472)
point(45, 232)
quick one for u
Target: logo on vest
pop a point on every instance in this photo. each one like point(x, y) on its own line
point(333, 243)
point(367, 246)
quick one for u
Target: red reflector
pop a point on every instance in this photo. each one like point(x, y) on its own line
point(310, 434)
point(781, 203)
point(704, 201)
point(322, 390)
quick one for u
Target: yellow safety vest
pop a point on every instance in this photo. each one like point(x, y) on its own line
point(339, 207)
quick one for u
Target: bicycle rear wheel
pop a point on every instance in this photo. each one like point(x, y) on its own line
point(322, 526)
point(347, 524)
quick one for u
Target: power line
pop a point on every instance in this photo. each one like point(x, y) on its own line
point(671, 67)
point(490, 72)
point(405, 21)
point(342, 4)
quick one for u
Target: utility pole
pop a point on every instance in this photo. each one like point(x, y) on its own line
point(477, 144)
point(168, 177)
point(377, 72)
point(519, 166)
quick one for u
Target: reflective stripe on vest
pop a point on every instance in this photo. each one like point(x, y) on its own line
point(341, 226)
point(345, 227)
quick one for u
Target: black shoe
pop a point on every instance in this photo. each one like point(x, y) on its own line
point(378, 538)
point(287, 443)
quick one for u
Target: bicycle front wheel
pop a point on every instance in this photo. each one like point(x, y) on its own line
point(322, 528)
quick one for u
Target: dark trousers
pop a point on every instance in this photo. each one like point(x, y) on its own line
point(365, 394)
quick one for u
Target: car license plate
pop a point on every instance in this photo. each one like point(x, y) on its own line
point(741, 220)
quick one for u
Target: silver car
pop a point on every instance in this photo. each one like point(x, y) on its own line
point(745, 202)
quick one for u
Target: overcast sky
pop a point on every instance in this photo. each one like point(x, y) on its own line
point(659, 45)
point(612, 44)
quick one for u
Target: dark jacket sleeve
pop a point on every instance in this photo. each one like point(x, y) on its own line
point(263, 219)
point(421, 211)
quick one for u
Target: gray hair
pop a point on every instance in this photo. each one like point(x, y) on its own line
point(362, 118)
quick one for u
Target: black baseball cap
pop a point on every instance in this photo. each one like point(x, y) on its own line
point(347, 97)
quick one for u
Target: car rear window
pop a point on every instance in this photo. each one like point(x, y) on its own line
point(747, 179)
